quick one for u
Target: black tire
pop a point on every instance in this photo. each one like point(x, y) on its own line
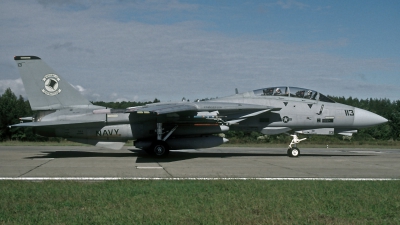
point(159, 149)
point(293, 152)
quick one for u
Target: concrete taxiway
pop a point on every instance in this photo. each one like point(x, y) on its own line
point(220, 162)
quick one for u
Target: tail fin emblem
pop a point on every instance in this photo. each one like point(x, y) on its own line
point(51, 84)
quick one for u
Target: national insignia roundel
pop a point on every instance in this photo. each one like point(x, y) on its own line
point(285, 119)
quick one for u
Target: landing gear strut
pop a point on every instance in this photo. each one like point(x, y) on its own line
point(159, 148)
point(294, 151)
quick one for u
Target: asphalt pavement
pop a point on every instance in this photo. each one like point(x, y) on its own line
point(20, 162)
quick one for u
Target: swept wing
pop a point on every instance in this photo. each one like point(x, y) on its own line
point(231, 111)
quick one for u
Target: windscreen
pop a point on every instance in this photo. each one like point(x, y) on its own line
point(294, 92)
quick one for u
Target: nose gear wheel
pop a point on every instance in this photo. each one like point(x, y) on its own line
point(294, 151)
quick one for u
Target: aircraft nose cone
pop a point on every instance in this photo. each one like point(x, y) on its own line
point(364, 118)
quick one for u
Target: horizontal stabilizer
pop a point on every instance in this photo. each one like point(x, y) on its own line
point(60, 123)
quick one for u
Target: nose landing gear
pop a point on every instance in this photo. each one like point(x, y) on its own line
point(293, 151)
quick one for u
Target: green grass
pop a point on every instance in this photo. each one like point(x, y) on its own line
point(200, 202)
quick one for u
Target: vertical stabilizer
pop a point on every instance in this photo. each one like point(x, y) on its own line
point(46, 89)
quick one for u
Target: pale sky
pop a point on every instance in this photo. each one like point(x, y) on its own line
point(168, 49)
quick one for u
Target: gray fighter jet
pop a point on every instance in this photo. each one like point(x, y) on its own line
point(61, 111)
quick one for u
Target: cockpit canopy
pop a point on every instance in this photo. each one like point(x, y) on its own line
point(293, 92)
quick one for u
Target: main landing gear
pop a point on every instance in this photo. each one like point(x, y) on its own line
point(159, 148)
point(294, 151)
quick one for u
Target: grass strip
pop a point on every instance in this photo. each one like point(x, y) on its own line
point(200, 202)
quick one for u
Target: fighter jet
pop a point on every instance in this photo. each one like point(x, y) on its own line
point(61, 111)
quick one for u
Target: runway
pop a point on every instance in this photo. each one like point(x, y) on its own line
point(72, 162)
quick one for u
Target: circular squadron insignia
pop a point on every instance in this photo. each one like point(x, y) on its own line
point(51, 84)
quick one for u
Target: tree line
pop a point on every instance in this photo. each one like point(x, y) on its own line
point(12, 108)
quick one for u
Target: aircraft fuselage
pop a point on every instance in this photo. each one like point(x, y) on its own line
point(62, 111)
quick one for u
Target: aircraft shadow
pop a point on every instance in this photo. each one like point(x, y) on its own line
point(80, 154)
point(143, 157)
point(179, 156)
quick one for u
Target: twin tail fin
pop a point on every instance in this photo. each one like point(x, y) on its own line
point(46, 89)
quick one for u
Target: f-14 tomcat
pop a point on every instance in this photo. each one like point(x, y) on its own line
point(160, 127)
